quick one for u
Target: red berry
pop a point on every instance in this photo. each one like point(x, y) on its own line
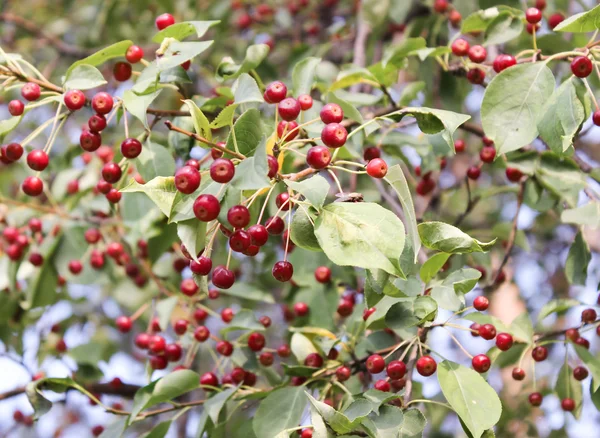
point(368, 312)
point(209, 379)
point(164, 20)
point(580, 373)
point(181, 326)
point(535, 399)
point(572, 334)
point(222, 170)
point(111, 172)
point(289, 109)
point(259, 234)
point(238, 374)
point(382, 385)
point(539, 353)
point(275, 92)
point(460, 47)
point(13, 151)
point(16, 107)
point(487, 141)
point(533, 15)
point(487, 154)
point(588, 316)
point(555, 20)
point(518, 373)
point(333, 135)
point(202, 266)
point(265, 321)
point(90, 141)
point(188, 287)
point(474, 172)
point(158, 362)
point(513, 175)
point(375, 364)
point(131, 148)
point(61, 346)
point(583, 342)
point(113, 196)
point(206, 208)
point(426, 366)
point(224, 348)
point(273, 166)
point(502, 62)
point(481, 303)
point(477, 54)
point(455, 18)
point(122, 71)
point(222, 277)
point(481, 363)
point(187, 178)
point(343, 373)
point(323, 274)
point(275, 225)
point(134, 54)
point(440, 6)
point(240, 241)
point(31, 91)
point(305, 101)
point(287, 130)
point(318, 157)
point(102, 103)
point(283, 201)
point(256, 341)
point(157, 344)
point(313, 360)
point(425, 186)
point(345, 308)
point(567, 404)
point(487, 331)
point(284, 351)
point(32, 186)
point(283, 271)
point(173, 352)
point(596, 118)
point(301, 309)
point(371, 153)
point(36, 259)
point(331, 113)
point(97, 123)
point(476, 76)
point(540, 4)
point(201, 333)
point(396, 369)
point(504, 341)
point(74, 100)
point(142, 340)
point(581, 66)
point(377, 168)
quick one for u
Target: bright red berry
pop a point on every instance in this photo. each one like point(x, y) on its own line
point(122, 71)
point(539, 353)
point(206, 208)
point(440, 6)
point(224, 348)
point(283, 271)
point(301, 309)
point(487, 154)
point(222, 170)
point(31, 91)
point(275, 92)
point(396, 369)
point(313, 360)
point(259, 234)
point(256, 341)
point(567, 404)
point(481, 363)
point(164, 20)
point(134, 54)
point(289, 109)
point(426, 366)
point(535, 399)
point(476, 76)
point(334, 135)
point(287, 130)
point(318, 157)
point(273, 166)
point(331, 113)
point(275, 225)
point(102, 103)
point(555, 20)
point(305, 101)
point(460, 47)
point(323, 274)
point(502, 62)
point(201, 333)
point(377, 168)
point(16, 107)
point(375, 364)
point(487, 331)
point(32, 186)
point(477, 54)
point(504, 341)
point(581, 66)
point(74, 100)
point(222, 277)
point(474, 172)
point(187, 179)
point(131, 148)
point(533, 15)
point(481, 303)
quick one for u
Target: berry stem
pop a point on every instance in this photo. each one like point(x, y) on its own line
point(337, 181)
point(434, 402)
point(457, 342)
point(264, 206)
point(125, 124)
point(589, 89)
point(203, 140)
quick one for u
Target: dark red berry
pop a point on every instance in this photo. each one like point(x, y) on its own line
point(481, 303)
point(90, 141)
point(396, 369)
point(16, 107)
point(32, 186)
point(74, 100)
point(318, 157)
point(533, 15)
point(283, 271)
point(238, 216)
point(580, 373)
point(275, 92)
point(202, 266)
point(222, 170)
point(504, 341)
point(375, 364)
point(122, 71)
point(581, 66)
point(273, 166)
point(222, 277)
point(111, 172)
point(539, 353)
point(256, 341)
point(131, 148)
point(289, 109)
point(487, 331)
point(481, 363)
point(567, 404)
point(313, 360)
point(426, 366)
point(275, 225)
point(31, 91)
point(334, 135)
point(206, 208)
point(518, 373)
point(331, 113)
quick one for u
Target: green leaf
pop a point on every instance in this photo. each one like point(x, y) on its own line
point(83, 77)
point(587, 214)
point(561, 176)
point(480, 20)
point(154, 160)
point(255, 55)
point(245, 90)
point(565, 112)
point(280, 410)
point(592, 363)
point(557, 306)
point(225, 117)
point(243, 320)
point(116, 50)
point(215, 404)
point(201, 123)
point(475, 402)
point(411, 312)
point(9, 124)
point(41, 290)
point(364, 235)
point(303, 75)
point(176, 53)
point(350, 110)
point(447, 238)
point(116, 429)
point(301, 346)
point(164, 310)
point(413, 425)
point(319, 428)
point(161, 190)
point(342, 423)
point(578, 260)
point(162, 390)
point(137, 104)
point(433, 121)
point(521, 328)
point(351, 76)
point(303, 230)
point(410, 93)
point(248, 292)
point(374, 12)
point(251, 173)
point(567, 387)
point(182, 30)
point(247, 133)
point(511, 120)
point(314, 189)
point(587, 21)
point(40, 404)
point(395, 178)
point(192, 234)
point(395, 54)
point(503, 28)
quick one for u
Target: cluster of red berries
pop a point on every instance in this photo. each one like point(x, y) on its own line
point(444, 7)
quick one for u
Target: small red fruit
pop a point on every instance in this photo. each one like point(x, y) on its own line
point(313, 360)
point(224, 348)
point(504, 341)
point(305, 101)
point(481, 303)
point(222, 277)
point(477, 54)
point(426, 366)
point(375, 364)
point(580, 373)
point(31, 91)
point(323, 274)
point(476, 76)
point(487, 154)
point(122, 71)
point(460, 47)
point(535, 399)
point(283, 271)
point(74, 100)
point(275, 92)
point(134, 54)
point(164, 20)
point(481, 363)
point(90, 141)
point(222, 170)
point(206, 208)
point(16, 107)
point(318, 157)
point(588, 316)
point(301, 309)
point(518, 373)
point(334, 135)
point(256, 341)
point(332, 113)
point(474, 172)
point(102, 103)
point(539, 353)
point(32, 186)
point(187, 179)
point(502, 62)
point(377, 168)
point(396, 369)
point(131, 148)
point(555, 20)
point(567, 404)
point(487, 331)
point(201, 333)
point(275, 225)
point(289, 109)
point(533, 15)
point(581, 66)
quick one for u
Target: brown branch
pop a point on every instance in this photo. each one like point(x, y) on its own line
point(471, 203)
point(203, 140)
point(35, 29)
point(124, 390)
